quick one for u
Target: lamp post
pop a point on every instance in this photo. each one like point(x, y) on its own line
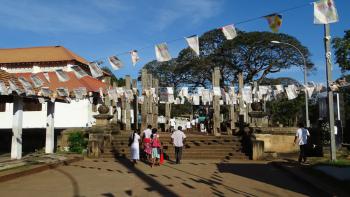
point(305, 79)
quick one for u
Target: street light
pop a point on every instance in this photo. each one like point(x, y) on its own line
point(305, 79)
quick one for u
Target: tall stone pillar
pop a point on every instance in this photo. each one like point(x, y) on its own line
point(50, 127)
point(216, 102)
point(17, 121)
point(127, 104)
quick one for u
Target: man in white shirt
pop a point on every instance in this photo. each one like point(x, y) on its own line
point(301, 137)
point(178, 138)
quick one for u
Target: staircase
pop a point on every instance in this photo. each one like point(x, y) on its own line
point(196, 147)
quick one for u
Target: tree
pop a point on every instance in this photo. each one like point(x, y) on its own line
point(250, 52)
point(120, 81)
point(342, 51)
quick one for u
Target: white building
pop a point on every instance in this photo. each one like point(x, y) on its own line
point(26, 61)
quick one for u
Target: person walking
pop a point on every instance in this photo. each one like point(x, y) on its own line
point(155, 142)
point(147, 142)
point(178, 138)
point(134, 147)
point(301, 137)
point(188, 126)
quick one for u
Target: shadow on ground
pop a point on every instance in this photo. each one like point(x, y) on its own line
point(266, 173)
point(153, 183)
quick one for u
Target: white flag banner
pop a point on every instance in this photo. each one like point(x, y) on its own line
point(325, 12)
point(291, 92)
point(78, 93)
point(196, 99)
point(183, 92)
point(25, 83)
point(61, 75)
point(3, 88)
point(279, 88)
point(45, 92)
point(134, 57)
point(62, 92)
point(193, 43)
point(217, 91)
point(36, 80)
point(247, 94)
point(170, 90)
point(229, 32)
point(162, 52)
point(310, 90)
point(14, 87)
point(95, 70)
point(47, 77)
point(78, 71)
point(115, 62)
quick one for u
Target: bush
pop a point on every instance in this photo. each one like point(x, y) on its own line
point(77, 142)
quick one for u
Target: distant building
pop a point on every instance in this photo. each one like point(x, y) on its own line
point(25, 61)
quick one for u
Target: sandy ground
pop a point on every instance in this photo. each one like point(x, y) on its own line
point(110, 178)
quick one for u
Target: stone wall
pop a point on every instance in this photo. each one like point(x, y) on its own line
point(279, 143)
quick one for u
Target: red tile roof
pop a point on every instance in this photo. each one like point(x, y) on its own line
point(5, 77)
point(91, 84)
point(39, 54)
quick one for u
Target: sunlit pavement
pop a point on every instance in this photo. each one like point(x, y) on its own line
point(107, 177)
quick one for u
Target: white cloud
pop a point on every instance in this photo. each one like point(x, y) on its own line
point(57, 16)
point(193, 11)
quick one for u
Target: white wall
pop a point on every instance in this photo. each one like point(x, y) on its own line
point(67, 115)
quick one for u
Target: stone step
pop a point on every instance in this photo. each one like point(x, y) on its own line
point(185, 156)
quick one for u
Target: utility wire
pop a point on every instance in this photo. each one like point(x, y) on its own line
point(236, 24)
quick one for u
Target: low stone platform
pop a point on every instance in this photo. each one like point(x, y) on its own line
point(32, 163)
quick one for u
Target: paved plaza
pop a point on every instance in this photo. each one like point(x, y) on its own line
point(109, 178)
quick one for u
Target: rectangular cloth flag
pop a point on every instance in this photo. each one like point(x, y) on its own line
point(115, 62)
point(134, 57)
point(162, 52)
point(78, 71)
point(25, 83)
point(95, 70)
point(36, 80)
point(193, 43)
point(47, 77)
point(14, 87)
point(3, 88)
point(274, 21)
point(61, 75)
point(229, 32)
point(61, 91)
point(325, 12)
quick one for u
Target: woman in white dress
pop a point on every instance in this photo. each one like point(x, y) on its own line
point(135, 147)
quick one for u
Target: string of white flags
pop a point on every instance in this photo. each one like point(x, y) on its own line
point(325, 12)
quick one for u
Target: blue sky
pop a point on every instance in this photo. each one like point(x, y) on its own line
point(97, 29)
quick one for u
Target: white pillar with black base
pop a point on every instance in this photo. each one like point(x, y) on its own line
point(50, 128)
point(17, 121)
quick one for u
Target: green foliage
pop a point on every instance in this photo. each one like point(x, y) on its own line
point(342, 51)
point(287, 112)
point(250, 52)
point(120, 81)
point(77, 142)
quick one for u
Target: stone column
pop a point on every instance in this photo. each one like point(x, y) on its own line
point(149, 101)
point(144, 106)
point(155, 84)
point(135, 105)
point(242, 110)
point(216, 102)
point(167, 115)
point(17, 121)
point(127, 104)
point(50, 127)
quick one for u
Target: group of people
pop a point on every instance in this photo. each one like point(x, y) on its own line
point(152, 147)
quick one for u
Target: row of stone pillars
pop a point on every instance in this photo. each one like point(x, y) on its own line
point(17, 122)
point(149, 108)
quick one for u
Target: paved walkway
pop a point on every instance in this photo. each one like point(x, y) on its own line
point(192, 178)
